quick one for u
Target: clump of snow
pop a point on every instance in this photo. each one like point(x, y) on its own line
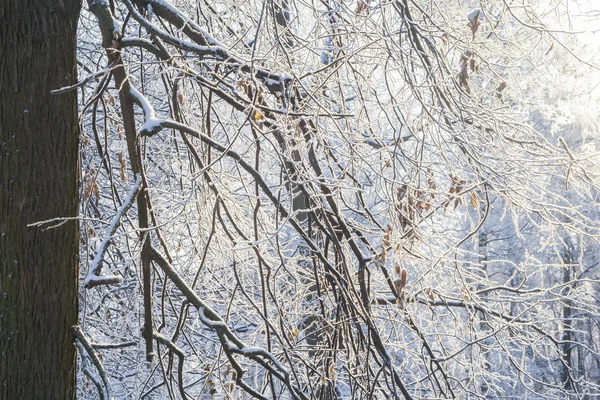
point(474, 16)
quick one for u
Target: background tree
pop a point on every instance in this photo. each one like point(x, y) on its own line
point(39, 136)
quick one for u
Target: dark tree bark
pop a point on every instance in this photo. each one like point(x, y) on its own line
point(38, 181)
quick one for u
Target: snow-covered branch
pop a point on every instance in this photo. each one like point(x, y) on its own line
point(93, 277)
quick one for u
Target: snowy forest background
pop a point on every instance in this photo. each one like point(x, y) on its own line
point(339, 199)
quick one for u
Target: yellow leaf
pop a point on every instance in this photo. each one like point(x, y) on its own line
point(474, 199)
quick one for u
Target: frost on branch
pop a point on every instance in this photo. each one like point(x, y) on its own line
point(93, 277)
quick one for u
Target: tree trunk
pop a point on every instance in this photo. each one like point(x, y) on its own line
point(38, 181)
point(569, 258)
